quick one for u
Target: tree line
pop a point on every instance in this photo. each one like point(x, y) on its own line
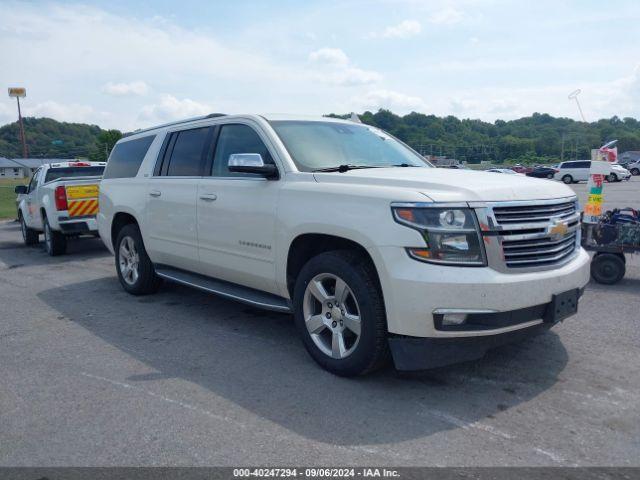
point(538, 138)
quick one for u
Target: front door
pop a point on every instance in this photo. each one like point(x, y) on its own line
point(31, 213)
point(237, 214)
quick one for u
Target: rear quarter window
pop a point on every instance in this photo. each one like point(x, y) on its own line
point(126, 157)
point(72, 172)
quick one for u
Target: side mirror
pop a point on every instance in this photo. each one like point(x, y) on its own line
point(20, 189)
point(251, 163)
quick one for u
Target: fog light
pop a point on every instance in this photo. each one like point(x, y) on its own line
point(454, 318)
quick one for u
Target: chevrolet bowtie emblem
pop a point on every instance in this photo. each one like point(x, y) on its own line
point(558, 229)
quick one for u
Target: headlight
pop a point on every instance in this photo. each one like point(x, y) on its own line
point(451, 235)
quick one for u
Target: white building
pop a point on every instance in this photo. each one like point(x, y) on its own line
point(10, 169)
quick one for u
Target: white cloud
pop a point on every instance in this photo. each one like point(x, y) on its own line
point(331, 56)
point(446, 16)
point(375, 99)
point(122, 89)
point(333, 66)
point(405, 29)
point(171, 108)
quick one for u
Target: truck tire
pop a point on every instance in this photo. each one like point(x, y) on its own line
point(607, 268)
point(135, 270)
point(29, 235)
point(55, 243)
point(339, 312)
point(567, 179)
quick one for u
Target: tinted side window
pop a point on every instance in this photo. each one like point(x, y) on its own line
point(568, 165)
point(34, 181)
point(189, 152)
point(583, 164)
point(237, 139)
point(126, 157)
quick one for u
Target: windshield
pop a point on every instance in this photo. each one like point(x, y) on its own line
point(73, 172)
point(320, 145)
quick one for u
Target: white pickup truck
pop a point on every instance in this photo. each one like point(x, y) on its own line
point(61, 200)
point(374, 251)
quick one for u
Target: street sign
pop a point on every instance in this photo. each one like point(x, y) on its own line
point(17, 92)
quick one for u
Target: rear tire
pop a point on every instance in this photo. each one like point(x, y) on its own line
point(567, 179)
point(612, 177)
point(135, 270)
point(635, 171)
point(55, 243)
point(607, 268)
point(336, 346)
point(29, 235)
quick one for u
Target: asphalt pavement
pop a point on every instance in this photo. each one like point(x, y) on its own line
point(91, 376)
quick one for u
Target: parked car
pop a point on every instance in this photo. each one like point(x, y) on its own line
point(573, 171)
point(371, 249)
point(507, 171)
point(521, 169)
point(542, 172)
point(634, 168)
point(61, 200)
point(618, 173)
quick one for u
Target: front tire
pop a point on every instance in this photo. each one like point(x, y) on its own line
point(567, 179)
point(550, 176)
point(29, 235)
point(635, 171)
point(55, 243)
point(339, 312)
point(135, 270)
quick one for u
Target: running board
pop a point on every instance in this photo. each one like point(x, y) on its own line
point(229, 290)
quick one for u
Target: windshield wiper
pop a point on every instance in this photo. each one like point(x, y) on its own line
point(343, 168)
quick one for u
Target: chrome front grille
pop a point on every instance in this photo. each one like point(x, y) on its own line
point(533, 213)
point(546, 251)
point(532, 234)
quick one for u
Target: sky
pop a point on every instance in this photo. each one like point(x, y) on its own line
point(132, 64)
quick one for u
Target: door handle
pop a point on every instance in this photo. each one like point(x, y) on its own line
point(208, 197)
point(155, 193)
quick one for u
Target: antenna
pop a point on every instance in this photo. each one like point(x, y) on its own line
point(574, 96)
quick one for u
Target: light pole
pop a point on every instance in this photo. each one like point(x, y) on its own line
point(19, 92)
point(574, 96)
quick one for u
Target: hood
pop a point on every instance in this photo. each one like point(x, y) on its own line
point(449, 185)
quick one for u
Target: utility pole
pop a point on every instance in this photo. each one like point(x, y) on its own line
point(19, 92)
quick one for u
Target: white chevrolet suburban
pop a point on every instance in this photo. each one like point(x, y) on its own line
point(374, 251)
point(60, 201)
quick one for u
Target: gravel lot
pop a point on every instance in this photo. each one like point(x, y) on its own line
point(93, 376)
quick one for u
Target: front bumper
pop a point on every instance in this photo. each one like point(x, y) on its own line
point(413, 291)
point(415, 353)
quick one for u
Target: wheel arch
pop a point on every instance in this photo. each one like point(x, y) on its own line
point(120, 220)
point(308, 245)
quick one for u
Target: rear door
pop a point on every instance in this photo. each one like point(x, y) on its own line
point(171, 227)
point(237, 213)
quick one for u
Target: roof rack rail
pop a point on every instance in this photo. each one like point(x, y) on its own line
point(177, 122)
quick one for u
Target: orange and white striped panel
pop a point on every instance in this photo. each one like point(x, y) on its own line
point(79, 208)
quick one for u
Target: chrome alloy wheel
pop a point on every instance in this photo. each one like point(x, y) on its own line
point(129, 260)
point(332, 315)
